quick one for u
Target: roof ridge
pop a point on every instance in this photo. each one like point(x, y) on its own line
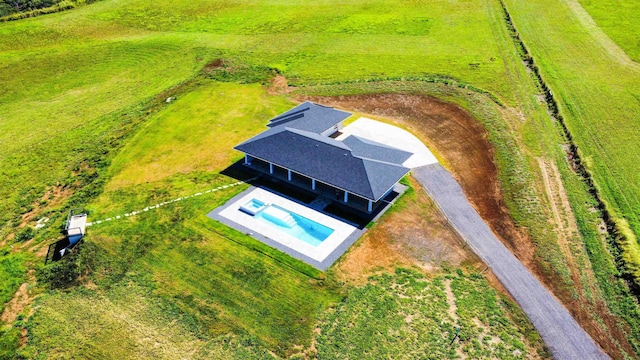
point(320, 138)
point(380, 161)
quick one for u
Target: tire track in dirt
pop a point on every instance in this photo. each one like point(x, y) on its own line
point(560, 209)
point(453, 313)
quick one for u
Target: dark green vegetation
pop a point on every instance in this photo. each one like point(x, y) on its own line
point(14, 6)
point(84, 122)
point(408, 316)
point(20, 9)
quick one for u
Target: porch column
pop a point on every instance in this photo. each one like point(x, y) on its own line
point(346, 196)
point(370, 207)
point(247, 159)
point(289, 175)
point(270, 168)
point(313, 184)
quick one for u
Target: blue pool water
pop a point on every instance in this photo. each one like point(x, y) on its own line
point(290, 223)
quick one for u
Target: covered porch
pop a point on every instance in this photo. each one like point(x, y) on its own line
point(328, 194)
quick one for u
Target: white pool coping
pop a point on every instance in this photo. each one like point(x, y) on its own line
point(341, 230)
point(393, 136)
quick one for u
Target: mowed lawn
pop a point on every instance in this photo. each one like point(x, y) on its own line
point(598, 88)
point(196, 132)
point(619, 19)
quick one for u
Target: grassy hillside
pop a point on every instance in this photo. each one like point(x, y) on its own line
point(76, 84)
point(183, 284)
point(78, 76)
point(204, 266)
point(89, 324)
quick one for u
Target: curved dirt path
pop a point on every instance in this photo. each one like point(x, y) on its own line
point(561, 333)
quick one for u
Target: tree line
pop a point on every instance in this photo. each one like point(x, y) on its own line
point(8, 7)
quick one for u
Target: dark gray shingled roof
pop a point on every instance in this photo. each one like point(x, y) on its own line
point(365, 148)
point(359, 166)
point(310, 117)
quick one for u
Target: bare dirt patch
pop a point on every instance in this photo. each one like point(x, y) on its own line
point(417, 236)
point(20, 301)
point(452, 311)
point(53, 197)
point(279, 85)
point(15, 306)
point(213, 65)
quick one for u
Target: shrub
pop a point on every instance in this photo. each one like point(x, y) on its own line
point(27, 233)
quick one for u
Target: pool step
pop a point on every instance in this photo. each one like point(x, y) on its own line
point(279, 217)
point(290, 221)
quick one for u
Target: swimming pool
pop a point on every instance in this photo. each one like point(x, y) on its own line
point(288, 222)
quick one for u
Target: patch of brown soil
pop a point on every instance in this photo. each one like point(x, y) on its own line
point(372, 254)
point(213, 65)
point(419, 235)
point(461, 141)
point(16, 305)
point(53, 197)
point(453, 314)
point(41, 250)
point(20, 301)
point(278, 85)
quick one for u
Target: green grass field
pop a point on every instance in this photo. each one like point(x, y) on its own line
point(598, 93)
point(83, 122)
point(618, 18)
point(408, 316)
point(75, 76)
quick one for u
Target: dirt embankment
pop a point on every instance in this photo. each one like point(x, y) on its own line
point(463, 144)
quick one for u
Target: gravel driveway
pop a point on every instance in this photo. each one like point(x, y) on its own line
point(560, 332)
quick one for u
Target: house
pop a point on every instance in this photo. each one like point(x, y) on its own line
point(301, 147)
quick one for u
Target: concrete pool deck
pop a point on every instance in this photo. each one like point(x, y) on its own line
point(321, 256)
